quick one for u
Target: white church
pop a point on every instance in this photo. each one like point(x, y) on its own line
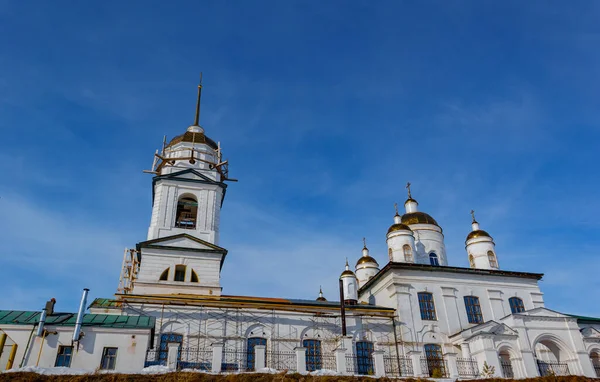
point(415, 315)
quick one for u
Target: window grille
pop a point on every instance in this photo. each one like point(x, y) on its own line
point(473, 310)
point(251, 351)
point(397, 366)
point(516, 305)
point(314, 357)
point(434, 362)
point(467, 367)
point(507, 369)
point(427, 306)
point(63, 356)
point(109, 359)
point(364, 358)
point(552, 368)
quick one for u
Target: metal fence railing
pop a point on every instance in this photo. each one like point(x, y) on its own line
point(152, 358)
point(328, 362)
point(507, 369)
point(552, 368)
point(282, 360)
point(195, 358)
point(467, 367)
point(597, 368)
point(434, 367)
point(234, 360)
point(397, 366)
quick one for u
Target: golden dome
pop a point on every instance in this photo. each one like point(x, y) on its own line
point(398, 227)
point(321, 298)
point(418, 218)
point(410, 200)
point(478, 233)
point(190, 136)
point(366, 259)
point(348, 272)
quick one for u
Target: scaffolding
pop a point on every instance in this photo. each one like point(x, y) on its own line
point(129, 271)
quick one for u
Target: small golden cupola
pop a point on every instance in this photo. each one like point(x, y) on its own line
point(400, 241)
point(366, 266)
point(321, 297)
point(349, 285)
point(480, 247)
point(413, 215)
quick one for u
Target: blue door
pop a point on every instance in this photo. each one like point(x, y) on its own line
point(251, 354)
point(314, 361)
point(364, 358)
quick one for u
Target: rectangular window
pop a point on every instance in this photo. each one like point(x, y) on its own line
point(109, 359)
point(516, 305)
point(63, 356)
point(427, 306)
point(473, 310)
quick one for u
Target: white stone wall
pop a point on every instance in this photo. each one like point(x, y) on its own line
point(429, 238)
point(131, 343)
point(399, 289)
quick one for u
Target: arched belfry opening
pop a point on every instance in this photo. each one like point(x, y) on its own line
point(187, 212)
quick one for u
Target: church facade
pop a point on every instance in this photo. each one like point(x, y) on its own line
point(415, 316)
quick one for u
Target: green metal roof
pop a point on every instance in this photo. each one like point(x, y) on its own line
point(584, 319)
point(18, 317)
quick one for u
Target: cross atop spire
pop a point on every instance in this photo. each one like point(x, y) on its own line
point(473, 216)
point(396, 208)
point(364, 243)
point(408, 188)
point(197, 119)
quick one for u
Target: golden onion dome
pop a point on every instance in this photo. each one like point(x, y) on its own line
point(418, 218)
point(348, 272)
point(477, 233)
point(410, 200)
point(398, 227)
point(190, 136)
point(321, 298)
point(366, 259)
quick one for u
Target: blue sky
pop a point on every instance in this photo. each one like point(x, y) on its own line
point(325, 110)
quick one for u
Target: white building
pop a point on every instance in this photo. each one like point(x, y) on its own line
point(415, 316)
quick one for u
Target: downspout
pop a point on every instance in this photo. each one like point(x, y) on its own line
point(27, 346)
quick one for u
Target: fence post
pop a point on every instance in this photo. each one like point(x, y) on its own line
point(340, 360)
point(259, 357)
point(378, 362)
point(415, 357)
point(172, 355)
point(301, 359)
point(217, 357)
point(452, 365)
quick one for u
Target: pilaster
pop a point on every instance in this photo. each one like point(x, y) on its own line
point(259, 357)
point(300, 359)
point(217, 358)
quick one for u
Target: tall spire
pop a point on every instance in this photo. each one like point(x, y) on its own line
point(197, 119)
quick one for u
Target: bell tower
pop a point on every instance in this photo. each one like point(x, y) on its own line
point(181, 254)
point(188, 188)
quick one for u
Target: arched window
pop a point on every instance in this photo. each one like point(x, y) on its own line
point(473, 310)
point(426, 305)
point(187, 213)
point(194, 277)
point(179, 273)
point(492, 259)
point(471, 261)
point(516, 305)
point(165, 275)
point(433, 259)
point(408, 257)
point(390, 254)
